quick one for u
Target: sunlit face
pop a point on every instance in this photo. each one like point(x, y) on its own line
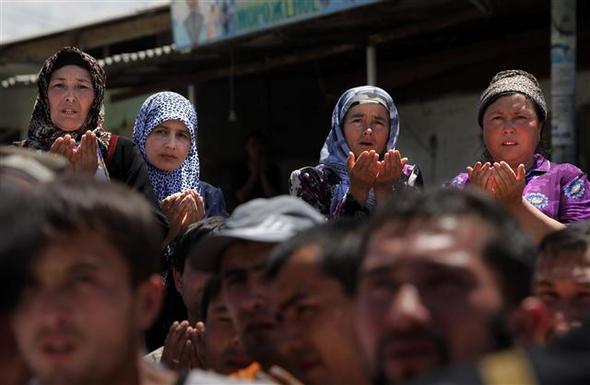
point(167, 145)
point(315, 328)
point(79, 320)
point(425, 298)
point(562, 283)
point(70, 96)
point(366, 128)
point(225, 354)
point(245, 292)
point(511, 130)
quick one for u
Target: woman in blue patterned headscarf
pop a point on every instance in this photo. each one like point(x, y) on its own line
point(165, 132)
point(359, 165)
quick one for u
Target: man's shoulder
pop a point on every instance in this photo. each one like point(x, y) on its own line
point(155, 356)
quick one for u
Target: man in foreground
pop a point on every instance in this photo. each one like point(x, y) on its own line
point(444, 280)
point(312, 291)
point(238, 253)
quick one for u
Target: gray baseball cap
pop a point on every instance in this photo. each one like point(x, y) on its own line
point(31, 165)
point(271, 220)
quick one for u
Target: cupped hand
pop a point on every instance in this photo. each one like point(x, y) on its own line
point(390, 169)
point(180, 352)
point(362, 173)
point(196, 204)
point(508, 185)
point(480, 175)
point(182, 209)
point(198, 342)
point(64, 146)
point(85, 156)
point(173, 210)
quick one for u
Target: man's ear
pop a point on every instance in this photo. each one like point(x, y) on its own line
point(149, 298)
point(529, 322)
point(177, 275)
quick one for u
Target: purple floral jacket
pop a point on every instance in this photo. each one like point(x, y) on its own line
point(316, 185)
point(560, 190)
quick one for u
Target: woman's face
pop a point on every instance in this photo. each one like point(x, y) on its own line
point(167, 145)
point(366, 128)
point(511, 130)
point(70, 95)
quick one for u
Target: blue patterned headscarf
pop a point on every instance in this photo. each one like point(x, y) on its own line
point(335, 149)
point(157, 109)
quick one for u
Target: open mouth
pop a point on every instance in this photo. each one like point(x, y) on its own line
point(509, 143)
point(58, 350)
point(69, 112)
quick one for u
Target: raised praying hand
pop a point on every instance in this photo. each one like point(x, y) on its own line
point(367, 172)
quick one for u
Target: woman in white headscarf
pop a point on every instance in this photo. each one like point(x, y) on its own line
point(165, 132)
point(359, 165)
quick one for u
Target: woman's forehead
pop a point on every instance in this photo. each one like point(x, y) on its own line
point(368, 107)
point(515, 101)
point(71, 71)
point(174, 125)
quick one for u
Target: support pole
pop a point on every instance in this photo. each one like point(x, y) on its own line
point(371, 66)
point(191, 94)
point(563, 81)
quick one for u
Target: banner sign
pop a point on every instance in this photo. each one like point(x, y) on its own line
point(200, 22)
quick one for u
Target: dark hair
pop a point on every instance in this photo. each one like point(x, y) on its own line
point(575, 237)
point(339, 243)
point(191, 237)
point(75, 204)
point(20, 226)
point(211, 291)
point(70, 58)
point(508, 252)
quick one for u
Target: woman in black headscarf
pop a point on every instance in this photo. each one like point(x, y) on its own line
point(68, 119)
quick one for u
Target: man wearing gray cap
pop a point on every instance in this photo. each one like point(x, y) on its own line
point(238, 253)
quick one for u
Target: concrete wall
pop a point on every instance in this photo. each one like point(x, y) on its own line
point(16, 105)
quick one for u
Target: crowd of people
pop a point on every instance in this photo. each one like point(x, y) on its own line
point(122, 267)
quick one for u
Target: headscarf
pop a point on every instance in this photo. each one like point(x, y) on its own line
point(42, 132)
point(509, 82)
point(335, 150)
point(157, 109)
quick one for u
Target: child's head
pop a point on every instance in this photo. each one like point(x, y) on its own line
point(562, 276)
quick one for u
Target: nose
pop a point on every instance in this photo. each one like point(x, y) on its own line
point(235, 341)
point(407, 309)
point(52, 305)
point(508, 127)
point(257, 296)
point(70, 95)
point(368, 131)
point(171, 141)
